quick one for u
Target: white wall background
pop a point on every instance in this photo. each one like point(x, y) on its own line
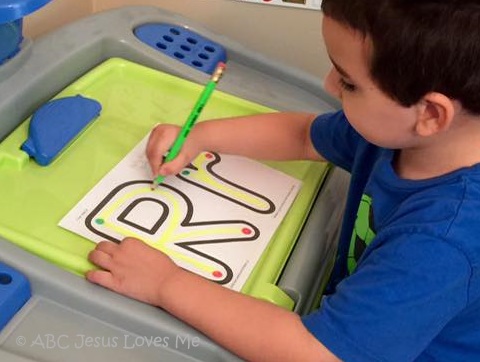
point(55, 14)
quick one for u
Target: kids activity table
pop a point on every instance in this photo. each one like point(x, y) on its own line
point(143, 65)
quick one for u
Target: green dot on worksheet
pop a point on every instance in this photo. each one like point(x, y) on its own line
point(185, 173)
point(99, 221)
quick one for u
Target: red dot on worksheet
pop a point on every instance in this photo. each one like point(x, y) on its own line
point(208, 155)
point(217, 274)
point(246, 231)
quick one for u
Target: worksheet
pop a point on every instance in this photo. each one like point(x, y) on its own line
point(215, 218)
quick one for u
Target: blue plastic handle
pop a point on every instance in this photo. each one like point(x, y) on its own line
point(56, 124)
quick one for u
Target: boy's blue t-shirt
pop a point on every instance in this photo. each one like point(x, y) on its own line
point(414, 294)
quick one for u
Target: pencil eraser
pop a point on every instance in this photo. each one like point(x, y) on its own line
point(56, 124)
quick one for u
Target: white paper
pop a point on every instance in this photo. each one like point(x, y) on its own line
point(215, 218)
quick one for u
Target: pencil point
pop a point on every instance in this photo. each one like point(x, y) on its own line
point(153, 186)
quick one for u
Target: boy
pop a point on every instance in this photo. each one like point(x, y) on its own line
point(408, 75)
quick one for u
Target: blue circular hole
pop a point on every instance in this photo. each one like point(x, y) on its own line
point(174, 31)
point(185, 47)
point(192, 40)
point(203, 56)
point(161, 46)
point(5, 278)
point(197, 63)
point(167, 38)
point(179, 55)
point(209, 49)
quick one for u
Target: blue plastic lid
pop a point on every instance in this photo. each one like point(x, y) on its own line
point(15, 9)
point(56, 124)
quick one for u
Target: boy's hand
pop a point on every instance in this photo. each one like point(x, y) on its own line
point(132, 268)
point(160, 140)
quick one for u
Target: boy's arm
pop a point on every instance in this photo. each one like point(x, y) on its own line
point(254, 330)
point(271, 136)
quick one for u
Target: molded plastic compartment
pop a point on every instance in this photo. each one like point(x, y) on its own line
point(183, 44)
point(14, 293)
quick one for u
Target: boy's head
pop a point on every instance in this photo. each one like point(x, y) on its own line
point(418, 46)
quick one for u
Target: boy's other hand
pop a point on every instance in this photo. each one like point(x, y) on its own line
point(132, 268)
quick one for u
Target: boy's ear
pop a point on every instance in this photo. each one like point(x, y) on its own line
point(435, 114)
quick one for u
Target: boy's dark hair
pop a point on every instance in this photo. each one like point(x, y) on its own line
point(419, 46)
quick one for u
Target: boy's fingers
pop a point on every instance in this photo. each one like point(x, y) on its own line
point(174, 166)
point(156, 149)
point(107, 247)
point(100, 277)
point(155, 159)
point(100, 258)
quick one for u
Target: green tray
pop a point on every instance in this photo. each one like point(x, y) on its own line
point(133, 98)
